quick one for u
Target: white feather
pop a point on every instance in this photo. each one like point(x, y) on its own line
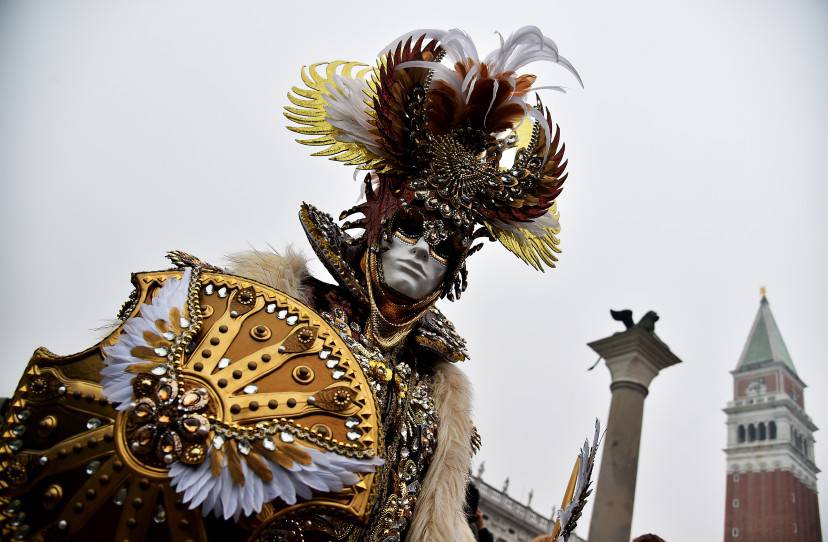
point(346, 110)
point(524, 46)
point(219, 495)
point(116, 380)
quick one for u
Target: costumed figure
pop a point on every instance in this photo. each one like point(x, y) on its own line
point(260, 403)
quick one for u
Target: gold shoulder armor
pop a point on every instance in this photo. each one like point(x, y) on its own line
point(216, 397)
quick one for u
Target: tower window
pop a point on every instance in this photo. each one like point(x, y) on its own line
point(735, 503)
point(772, 430)
point(734, 532)
point(741, 433)
point(762, 432)
point(751, 432)
point(735, 477)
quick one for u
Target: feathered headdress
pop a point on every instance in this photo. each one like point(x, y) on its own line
point(435, 133)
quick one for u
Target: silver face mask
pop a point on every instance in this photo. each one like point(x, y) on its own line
point(409, 267)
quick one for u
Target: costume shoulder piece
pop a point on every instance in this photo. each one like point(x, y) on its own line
point(217, 399)
point(437, 333)
point(332, 245)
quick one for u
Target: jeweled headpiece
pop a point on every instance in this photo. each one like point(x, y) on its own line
point(436, 138)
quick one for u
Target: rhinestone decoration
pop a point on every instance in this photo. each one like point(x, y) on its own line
point(165, 423)
point(120, 497)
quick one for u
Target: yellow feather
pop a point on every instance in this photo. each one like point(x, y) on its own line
point(536, 250)
point(309, 115)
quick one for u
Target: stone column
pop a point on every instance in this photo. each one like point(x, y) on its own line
point(634, 357)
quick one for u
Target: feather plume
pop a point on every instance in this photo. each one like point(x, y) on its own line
point(526, 45)
point(535, 242)
point(332, 108)
point(138, 345)
point(220, 494)
point(578, 491)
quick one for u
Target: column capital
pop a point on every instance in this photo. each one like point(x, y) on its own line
point(634, 356)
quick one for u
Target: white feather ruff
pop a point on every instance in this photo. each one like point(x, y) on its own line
point(116, 380)
point(219, 495)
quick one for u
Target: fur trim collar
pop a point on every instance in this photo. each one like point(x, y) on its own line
point(283, 272)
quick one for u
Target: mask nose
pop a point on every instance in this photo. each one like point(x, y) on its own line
point(420, 249)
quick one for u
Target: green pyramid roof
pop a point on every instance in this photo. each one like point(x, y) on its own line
point(765, 342)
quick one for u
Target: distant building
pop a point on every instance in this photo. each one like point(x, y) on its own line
point(771, 474)
point(509, 520)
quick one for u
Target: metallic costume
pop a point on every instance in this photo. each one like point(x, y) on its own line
point(231, 405)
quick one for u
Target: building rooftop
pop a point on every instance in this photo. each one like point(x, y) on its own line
point(764, 343)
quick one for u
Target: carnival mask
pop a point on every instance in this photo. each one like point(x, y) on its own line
point(411, 267)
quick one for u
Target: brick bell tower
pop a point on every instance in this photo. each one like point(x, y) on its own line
point(771, 474)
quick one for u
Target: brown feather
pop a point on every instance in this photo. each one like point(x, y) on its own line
point(162, 325)
point(524, 83)
point(295, 452)
point(147, 353)
point(215, 461)
point(153, 339)
point(175, 317)
point(258, 465)
point(275, 456)
point(141, 367)
point(234, 463)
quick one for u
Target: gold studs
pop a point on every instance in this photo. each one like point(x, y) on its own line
point(303, 374)
point(52, 495)
point(47, 425)
point(260, 332)
point(322, 430)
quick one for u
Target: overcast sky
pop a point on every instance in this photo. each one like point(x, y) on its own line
point(697, 174)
